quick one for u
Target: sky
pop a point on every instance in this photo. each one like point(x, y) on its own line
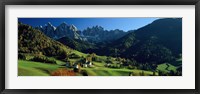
point(82, 23)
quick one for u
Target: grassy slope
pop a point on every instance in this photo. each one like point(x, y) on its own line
point(114, 72)
point(30, 68)
point(166, 67)
point(100, 70)
point(79, 53)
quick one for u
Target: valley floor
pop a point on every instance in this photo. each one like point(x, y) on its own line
point(30, 68)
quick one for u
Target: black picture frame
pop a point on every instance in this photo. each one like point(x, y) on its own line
point(3, 3)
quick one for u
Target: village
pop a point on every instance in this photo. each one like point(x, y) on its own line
point(92, 61)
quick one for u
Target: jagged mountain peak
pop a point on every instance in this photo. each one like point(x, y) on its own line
point(40, 26)
point(63, 24)
point(98, 26)
point(49, 24)
point(73, 27)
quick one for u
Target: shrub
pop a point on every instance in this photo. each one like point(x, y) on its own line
point(62, 55)
point(74, 56)
point(84, 73)
point(21, 56)
point(132, 67)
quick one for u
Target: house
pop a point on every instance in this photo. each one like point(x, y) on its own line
point(85, 65)
point(86, 61)
point(89, 64)
point(76, 66)
point(108, 64)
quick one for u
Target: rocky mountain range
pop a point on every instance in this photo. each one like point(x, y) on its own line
point(60, 31)
point(99, 34)
point(93, 34)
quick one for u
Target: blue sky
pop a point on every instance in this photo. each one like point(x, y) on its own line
point(82, 23)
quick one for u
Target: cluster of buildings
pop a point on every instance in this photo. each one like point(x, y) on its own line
point(76, 65)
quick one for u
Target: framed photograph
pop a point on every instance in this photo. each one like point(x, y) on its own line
point(113, 46)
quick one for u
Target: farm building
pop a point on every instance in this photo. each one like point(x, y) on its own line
point(87, 64)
